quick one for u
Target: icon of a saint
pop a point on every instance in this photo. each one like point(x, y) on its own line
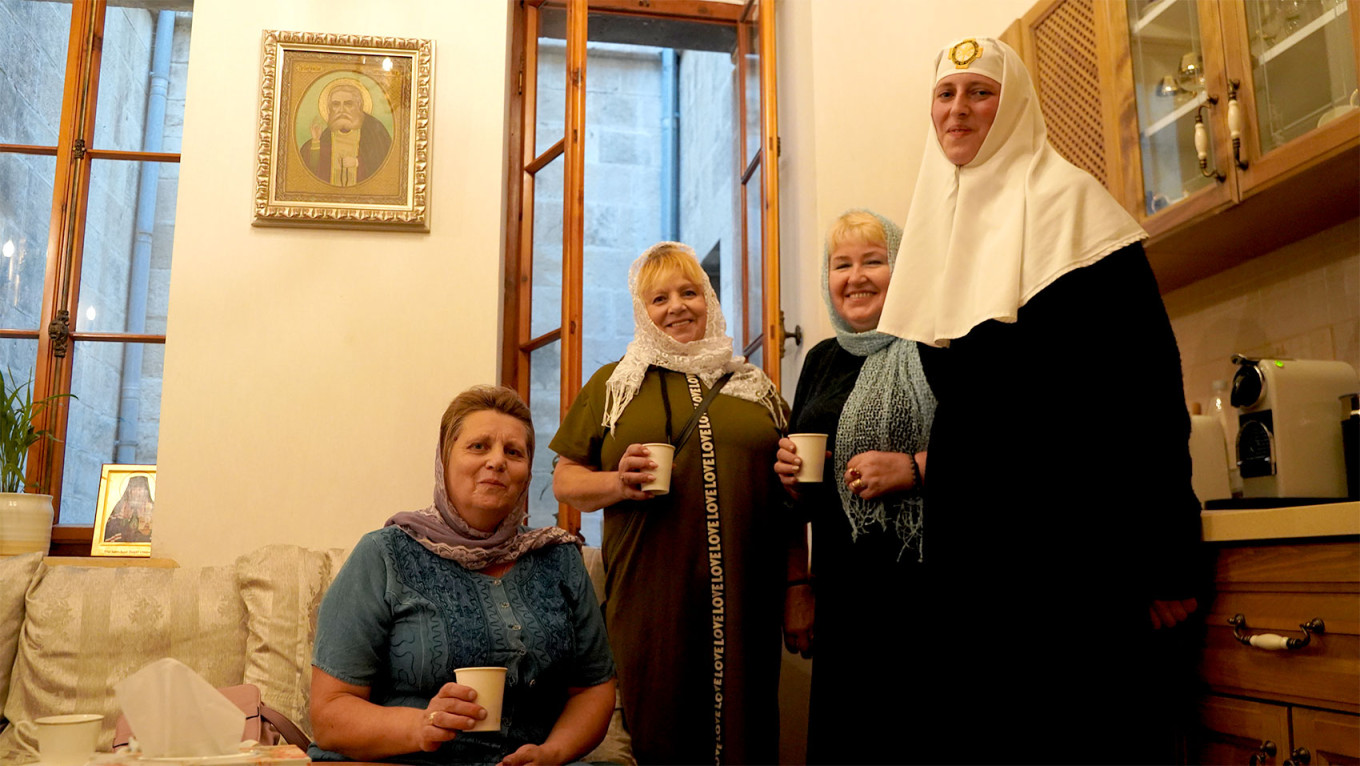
point(130, 520)
point(348, 143)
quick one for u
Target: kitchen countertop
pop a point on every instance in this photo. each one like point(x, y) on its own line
point(1328, 520)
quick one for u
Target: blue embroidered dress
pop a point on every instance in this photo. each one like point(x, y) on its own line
point(398, 619)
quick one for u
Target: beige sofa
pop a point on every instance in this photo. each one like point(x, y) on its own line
point(68, 633)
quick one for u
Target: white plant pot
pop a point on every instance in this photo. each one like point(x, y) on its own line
point(25, 523)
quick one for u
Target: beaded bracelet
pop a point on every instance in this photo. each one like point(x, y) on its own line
point(916, 483)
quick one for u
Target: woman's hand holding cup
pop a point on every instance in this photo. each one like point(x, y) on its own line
point(450, 712)
point(787, 464)
point(634, 471)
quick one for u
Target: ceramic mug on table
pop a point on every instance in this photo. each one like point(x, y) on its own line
point(68, 740)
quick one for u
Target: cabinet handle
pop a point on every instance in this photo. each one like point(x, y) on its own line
point(1299, 756)
point(1202, 142)
point(1263, 753)
point(1272, 640)
point(1235, 123)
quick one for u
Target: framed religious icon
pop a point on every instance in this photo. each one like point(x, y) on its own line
point(344, 131)
point(122, 516)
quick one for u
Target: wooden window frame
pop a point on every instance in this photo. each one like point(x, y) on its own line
point(517, 343)
point(74, 154)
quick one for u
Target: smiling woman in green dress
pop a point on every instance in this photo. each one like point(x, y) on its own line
point(694, 579)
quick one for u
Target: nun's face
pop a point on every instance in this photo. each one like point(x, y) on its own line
point(857, 276)
point(963, 109)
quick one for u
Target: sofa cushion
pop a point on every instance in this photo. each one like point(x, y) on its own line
point(86, 628)
point(16, 573)
point(282, 586)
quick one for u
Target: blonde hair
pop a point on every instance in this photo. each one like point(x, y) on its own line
point(664, 261)
point(479, 399)
point(856, 226)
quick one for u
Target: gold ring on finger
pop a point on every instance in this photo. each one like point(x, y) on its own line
point(857, 485)
point(429, 719)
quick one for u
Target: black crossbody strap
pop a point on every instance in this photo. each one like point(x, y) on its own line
point(700, 410)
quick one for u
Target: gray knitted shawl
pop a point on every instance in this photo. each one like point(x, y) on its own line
point(890, 409)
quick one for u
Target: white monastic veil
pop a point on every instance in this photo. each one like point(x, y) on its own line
point(985, 238)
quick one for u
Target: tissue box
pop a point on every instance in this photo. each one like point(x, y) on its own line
point(259, 755)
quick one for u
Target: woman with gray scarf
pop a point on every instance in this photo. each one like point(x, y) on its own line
point(867, 392)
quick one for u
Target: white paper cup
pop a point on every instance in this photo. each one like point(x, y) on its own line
point(490, 686)
point(812, 449)
point(68, 740)
point(662, 455)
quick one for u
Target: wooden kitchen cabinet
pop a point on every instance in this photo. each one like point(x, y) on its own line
point(1123, 83)
point(1282, 705)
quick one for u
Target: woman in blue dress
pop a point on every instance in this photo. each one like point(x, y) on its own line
point(462, 584)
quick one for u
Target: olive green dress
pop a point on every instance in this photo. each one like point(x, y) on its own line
point(693, 579)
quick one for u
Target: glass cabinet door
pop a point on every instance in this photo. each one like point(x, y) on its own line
point(1302, 67)
point(1167, 42)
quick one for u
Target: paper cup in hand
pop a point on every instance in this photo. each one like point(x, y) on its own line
point(812, 449)
point(662, 455)
point(490, 686)
point(68, 740)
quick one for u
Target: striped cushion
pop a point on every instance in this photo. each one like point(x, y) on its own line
point(86, 628)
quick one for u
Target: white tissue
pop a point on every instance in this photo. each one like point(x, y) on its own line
point(173, 712)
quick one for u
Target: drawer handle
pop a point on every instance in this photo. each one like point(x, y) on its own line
point(1299, 756)
point(1272, 640)
point(1263, 754)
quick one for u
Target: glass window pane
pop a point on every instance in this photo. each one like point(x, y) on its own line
point(17, 365)
point(754, 284)
point(660, 122)
point(17, 358)
point(752, 92)
point(551, 110)
point(115, 418)
point(624, 178)
point(1303, 66)
point(142, 77)
point(25, 216)
point(33, 39)
point(545, 395)
point(547, 277)
point(129, 231)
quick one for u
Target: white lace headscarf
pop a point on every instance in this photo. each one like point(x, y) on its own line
point(986, 237)
point(708, 357)
point(890, 408)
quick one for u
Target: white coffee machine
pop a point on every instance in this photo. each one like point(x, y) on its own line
point(1289, 426)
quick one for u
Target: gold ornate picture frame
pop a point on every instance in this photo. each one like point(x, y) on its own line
point(344, 131)
point(123, 513)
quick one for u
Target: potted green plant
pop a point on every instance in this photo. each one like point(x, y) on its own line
point(25, 518)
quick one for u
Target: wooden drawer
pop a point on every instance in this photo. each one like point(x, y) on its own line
point(1323, 673)
point(1233, 730)
point(1330, 738)
point(1276, 588)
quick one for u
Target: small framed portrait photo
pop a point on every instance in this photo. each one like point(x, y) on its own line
point(344, 131)
point(122, 517)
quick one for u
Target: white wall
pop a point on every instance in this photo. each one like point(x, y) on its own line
point(306, 370)
point(854, 78)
